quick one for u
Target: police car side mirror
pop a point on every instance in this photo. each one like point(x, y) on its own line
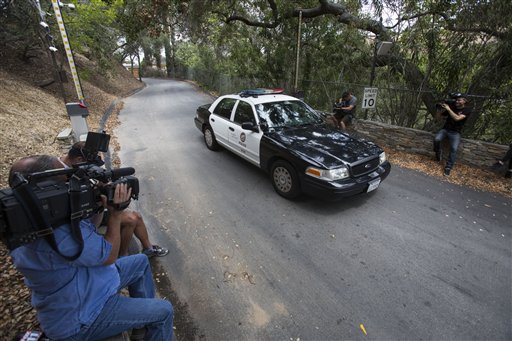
point(250, 126)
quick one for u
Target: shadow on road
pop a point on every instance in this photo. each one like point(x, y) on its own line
point(185, 328)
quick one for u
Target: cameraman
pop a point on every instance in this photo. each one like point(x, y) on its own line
point(345, 109)
point(131, 222)
point(80, 300)
point(455, 116)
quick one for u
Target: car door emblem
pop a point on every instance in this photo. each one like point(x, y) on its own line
point(242, 137)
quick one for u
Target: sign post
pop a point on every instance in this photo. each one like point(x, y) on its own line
point(370, 98)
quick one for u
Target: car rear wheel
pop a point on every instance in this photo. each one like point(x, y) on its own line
point(209, 139)
point(285, 180)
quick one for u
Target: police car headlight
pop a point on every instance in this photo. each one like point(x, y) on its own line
point(382, 158)
point(328, 174)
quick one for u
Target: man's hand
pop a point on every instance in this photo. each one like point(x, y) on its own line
point(122, 195)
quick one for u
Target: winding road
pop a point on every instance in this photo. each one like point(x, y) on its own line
point(417, 259)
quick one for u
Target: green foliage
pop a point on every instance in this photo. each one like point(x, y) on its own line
point(189, 55)
point(439, 46)
point(269, 54)
point(93, 30)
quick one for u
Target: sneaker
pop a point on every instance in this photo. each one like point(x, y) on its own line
point(447, 171)
point(155, 251)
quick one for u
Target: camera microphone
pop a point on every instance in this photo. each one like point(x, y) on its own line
point(120, 172)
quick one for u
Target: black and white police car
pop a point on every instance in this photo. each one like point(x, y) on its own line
point(288, 139)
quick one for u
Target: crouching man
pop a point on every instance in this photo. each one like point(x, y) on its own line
point(80, 299)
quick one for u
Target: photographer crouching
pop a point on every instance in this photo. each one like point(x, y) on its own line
point(455, 113)
point(74, 273)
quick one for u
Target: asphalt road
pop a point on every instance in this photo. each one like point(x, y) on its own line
point(417, 259)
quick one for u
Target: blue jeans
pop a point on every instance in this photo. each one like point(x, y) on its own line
point(121, 313)
point(454, 139)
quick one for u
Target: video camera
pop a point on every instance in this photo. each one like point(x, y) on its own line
point(39, 202)
point(451, 100)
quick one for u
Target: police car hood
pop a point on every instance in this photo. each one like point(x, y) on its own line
point(323, 145)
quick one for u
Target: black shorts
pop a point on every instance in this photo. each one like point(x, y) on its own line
point(343, 116)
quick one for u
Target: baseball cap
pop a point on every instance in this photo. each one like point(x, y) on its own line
point(456, 95)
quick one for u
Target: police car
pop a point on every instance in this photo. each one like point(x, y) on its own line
point(288, 139)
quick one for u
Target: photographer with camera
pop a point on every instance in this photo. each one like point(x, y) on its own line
point(75, 276)
point(345, 109)
point(131, 222)
point(455, 113)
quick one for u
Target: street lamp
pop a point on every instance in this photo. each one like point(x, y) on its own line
point(382, 48)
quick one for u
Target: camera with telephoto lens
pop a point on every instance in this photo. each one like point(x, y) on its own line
point(450, 100)
point(39, 202)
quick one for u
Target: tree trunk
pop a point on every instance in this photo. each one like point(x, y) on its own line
point(168, 51)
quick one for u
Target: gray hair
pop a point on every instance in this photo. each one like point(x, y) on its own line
point(32, 164)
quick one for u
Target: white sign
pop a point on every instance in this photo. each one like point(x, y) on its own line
point(370, 98)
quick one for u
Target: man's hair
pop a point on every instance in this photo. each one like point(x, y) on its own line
point(32, 164)
point(345, 94)
point(77, 150)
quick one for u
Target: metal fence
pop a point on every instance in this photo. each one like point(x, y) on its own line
point(396, 105)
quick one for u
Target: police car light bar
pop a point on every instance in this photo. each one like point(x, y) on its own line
point(260, 91)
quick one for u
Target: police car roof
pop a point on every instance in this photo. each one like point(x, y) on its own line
point(266, 98)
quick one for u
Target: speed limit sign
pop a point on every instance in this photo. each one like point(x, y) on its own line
point(369, 98)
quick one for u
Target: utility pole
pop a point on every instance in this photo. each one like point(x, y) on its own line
point(296, 85)
point(77, 112)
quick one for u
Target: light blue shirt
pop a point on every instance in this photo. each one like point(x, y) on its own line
point(67, 294)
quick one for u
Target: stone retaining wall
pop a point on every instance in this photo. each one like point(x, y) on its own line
point(475, 153)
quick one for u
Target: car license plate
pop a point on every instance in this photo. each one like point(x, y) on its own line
point(373, 185)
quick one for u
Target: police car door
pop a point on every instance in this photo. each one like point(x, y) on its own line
point(246, 143)
point(220, 120)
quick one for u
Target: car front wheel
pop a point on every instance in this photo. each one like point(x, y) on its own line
point(285, 180)
point(209, 139)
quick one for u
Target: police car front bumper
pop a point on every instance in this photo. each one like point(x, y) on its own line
point(336, 190)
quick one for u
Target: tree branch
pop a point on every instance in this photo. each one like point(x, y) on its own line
point(251, 22)
point(325, 7)
point(275, 16)
point(451, 24)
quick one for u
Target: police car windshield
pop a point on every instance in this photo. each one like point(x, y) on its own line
point(287, 114)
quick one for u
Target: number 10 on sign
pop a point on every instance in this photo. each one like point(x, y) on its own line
point(370, 98)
